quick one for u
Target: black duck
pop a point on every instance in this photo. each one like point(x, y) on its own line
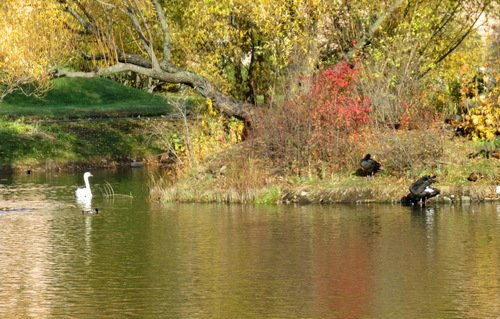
point(369, 166)
point(420, 191)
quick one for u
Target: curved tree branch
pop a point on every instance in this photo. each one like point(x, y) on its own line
point(132, 62)
point(121, 57)
point(224, 103)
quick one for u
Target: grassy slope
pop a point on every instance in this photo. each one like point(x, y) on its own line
point(80, 98)
point(27, 139)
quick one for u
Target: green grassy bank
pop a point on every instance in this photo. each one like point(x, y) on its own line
point(75, 145)
point(82, 98)
point(80, 122)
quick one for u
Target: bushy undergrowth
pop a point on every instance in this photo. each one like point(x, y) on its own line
point(409, 152)
point(314, 140)
point(207, 164)
point(190, 142)
point(239, 180)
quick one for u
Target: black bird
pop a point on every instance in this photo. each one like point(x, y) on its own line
point(420, 191)
point(369, 166)
point(474, 177)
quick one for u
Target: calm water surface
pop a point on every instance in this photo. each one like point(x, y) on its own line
point(136, 259)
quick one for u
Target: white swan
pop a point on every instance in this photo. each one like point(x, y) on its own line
point(84, 194)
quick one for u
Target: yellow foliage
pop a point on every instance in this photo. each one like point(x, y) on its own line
point(211, 134)
point(32, 42)
point(210, 107)
point(236, 128)
point(483, 122)
point(216, 36)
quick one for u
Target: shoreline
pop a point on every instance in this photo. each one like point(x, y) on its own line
point(227, 176)
point(454, 194)
point(296, 195)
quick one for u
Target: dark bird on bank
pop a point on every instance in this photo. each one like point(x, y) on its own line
point(420, 191)
point(368, 165)
point(474, 177)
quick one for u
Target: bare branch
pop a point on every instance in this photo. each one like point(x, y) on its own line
point(167, 54)
point(86, 22)
point(457, 41)
point(122, 57)
point(146, 43)
point(183, 77)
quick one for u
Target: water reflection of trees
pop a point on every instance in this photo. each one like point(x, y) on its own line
point(345, 262)
point(377, 261)
point(25, 270)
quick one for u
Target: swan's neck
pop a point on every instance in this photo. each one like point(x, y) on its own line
point(87, 184)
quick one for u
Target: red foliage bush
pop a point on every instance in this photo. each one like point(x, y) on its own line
point(336, 109)
point(335, 103)
point(317, 126)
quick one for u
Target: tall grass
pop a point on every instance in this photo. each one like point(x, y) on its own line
point(241, 181)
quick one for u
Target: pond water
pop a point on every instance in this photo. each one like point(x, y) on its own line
point(137, 259)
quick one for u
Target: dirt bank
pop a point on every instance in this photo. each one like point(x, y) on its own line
point(389, 194)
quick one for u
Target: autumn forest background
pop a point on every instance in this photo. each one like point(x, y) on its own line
point(265, 99)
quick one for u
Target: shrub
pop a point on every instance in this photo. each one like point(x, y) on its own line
point(337, 109)
point(483, 122)
point(281, 135)
point(407, 152)
point(312, 130)
point(186, 143)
